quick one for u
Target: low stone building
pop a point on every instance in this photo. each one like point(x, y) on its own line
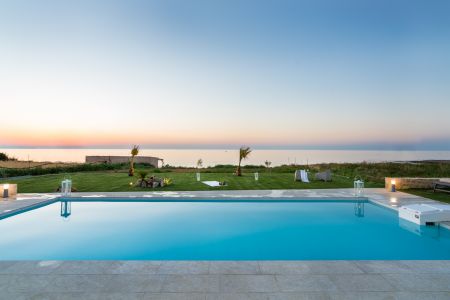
point(154, 161)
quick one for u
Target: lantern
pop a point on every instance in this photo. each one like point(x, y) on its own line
point(6, 190)
point(66, 187)
point(393, 189)
point(358, 187)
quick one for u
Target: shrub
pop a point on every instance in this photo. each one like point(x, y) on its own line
point(142, 174)
point(65, 169)
point(3, 156)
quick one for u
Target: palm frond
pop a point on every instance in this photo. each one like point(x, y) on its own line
point(135, 150)
point(244, 152)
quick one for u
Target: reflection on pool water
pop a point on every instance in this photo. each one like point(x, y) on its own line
point(212, 230)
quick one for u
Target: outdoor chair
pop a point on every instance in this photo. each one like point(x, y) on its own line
point(324, 176)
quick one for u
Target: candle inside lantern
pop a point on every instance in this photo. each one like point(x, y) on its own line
point(393, 185)
point(6, 190)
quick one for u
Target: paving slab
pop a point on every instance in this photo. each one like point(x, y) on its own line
point(333, 267)
point(134, 283)
point(237, 296)
point(191, 283)
point(85, 267)
point(362, 282)
point(23, 283)
point(136, 267)
point(248, 283)
point(299, 296)
point(234, 267)
point(184, 267)
point(30, 267)
point(430, 266)
point(383, 266)
point(284, 267)
point(305, 283)
point(389, 296)
point(87, 296)
point(76, 283)
point(174, 296)
point(419, 282)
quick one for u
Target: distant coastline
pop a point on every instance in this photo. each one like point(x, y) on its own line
point(212, 157)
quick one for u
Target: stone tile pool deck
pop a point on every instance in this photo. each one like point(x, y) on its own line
point(225, 279)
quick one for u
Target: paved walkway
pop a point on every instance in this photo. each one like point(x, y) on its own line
point(225, 279)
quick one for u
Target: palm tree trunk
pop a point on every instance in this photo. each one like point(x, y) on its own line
point(238, 171)
point(131, 171)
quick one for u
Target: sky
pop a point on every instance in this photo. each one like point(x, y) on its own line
point(204, 73)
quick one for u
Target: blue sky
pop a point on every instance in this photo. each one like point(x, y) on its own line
point(325, 74)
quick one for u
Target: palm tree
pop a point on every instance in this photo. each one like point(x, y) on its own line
point(199, 163)
point(244, 152)
point(268, 163)
point(134, 152)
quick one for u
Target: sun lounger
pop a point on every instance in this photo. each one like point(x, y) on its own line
point(441, 186)
point(324, 176)
point(301, 175)
point(212, 183)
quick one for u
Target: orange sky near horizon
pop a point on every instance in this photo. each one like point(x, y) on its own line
point(219, 136)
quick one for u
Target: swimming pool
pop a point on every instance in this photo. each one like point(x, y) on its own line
point(217, 230)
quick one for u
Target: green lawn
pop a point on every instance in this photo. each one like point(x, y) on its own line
point(182, 181)
point(185, 180)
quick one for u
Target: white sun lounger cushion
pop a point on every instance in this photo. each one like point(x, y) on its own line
point(304, 176)
point(212, 183)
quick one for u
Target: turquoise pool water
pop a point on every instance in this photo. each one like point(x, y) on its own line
point(252, 230)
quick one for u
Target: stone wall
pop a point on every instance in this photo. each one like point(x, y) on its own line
point(12, 190)
point(154, 161)
point(402, 183)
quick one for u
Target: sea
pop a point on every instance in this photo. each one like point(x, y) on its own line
point(211, 157)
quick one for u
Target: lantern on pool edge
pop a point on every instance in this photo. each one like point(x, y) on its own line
point(66, 187)
point(358, 187)
point(393, 188)
point(6, 190)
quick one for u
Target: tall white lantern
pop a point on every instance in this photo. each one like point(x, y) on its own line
point(256, 176)
point(198, 176)
point(358, 187)
point(66, 187)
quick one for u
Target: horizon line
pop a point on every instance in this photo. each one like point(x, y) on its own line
point(445, 146)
